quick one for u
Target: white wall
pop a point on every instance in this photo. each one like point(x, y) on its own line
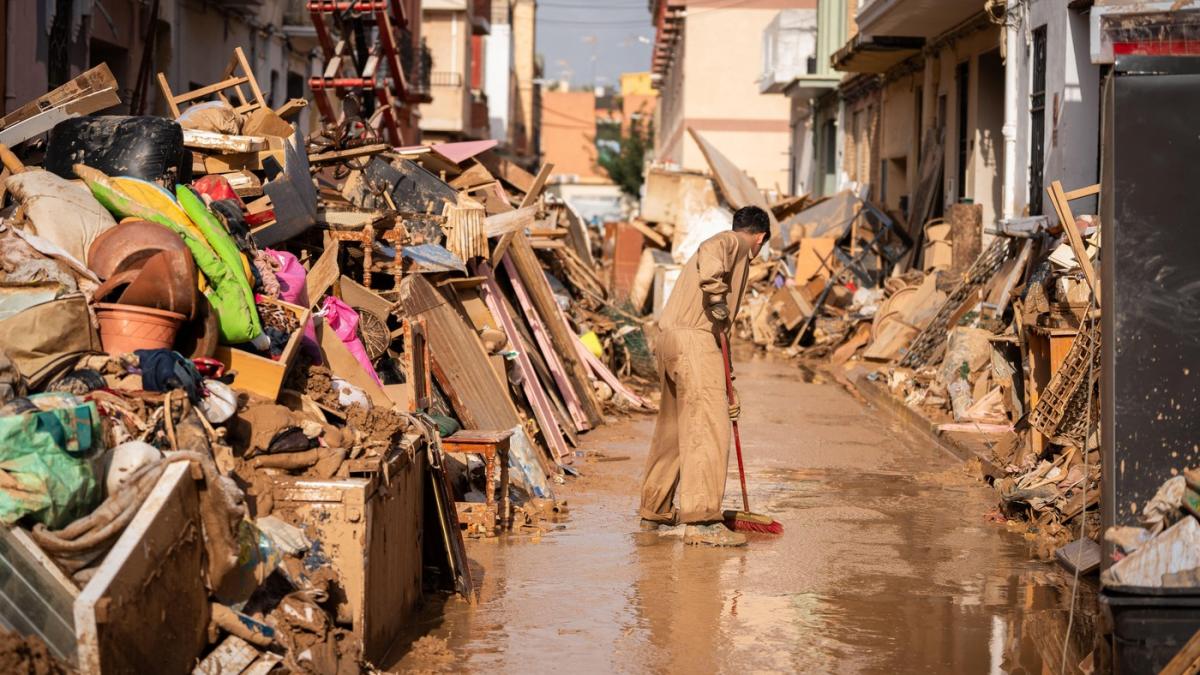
point(1072, 121)
point(498, 50)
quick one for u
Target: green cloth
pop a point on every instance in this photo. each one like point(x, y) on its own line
point(44, 468)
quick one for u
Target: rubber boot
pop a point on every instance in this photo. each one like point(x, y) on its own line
point(650, 525)
point(712, 535)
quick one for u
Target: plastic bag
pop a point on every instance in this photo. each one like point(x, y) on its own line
point(344, 321)
point(44, 467)
point(143, 147)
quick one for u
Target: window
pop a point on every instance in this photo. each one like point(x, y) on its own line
point(295, 85)
point(964, 146)
point(1037, 122)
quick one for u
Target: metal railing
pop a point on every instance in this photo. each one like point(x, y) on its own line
point(445, 78)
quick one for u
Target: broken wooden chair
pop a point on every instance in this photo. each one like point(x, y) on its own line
point(1062, 206)
point(230, 80)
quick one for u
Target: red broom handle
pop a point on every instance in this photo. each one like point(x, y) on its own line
point(737, 438)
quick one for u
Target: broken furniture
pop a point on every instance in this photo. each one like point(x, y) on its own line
point(231, 79)
point(368, 523)
point(379, 83)
point(148, 584)
point(493, 515)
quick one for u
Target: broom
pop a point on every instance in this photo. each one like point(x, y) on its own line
point(744, 520)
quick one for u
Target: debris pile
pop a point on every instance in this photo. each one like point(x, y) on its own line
point(241, 370)
point(994, 339)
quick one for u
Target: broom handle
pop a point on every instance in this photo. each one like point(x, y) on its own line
point(737, 437)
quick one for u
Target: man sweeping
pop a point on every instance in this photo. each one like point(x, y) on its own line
point(690, 450)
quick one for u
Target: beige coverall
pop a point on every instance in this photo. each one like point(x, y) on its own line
point(690, 449)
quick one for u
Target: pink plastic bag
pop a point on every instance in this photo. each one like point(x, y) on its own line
point(292, 280)
point(344, 322)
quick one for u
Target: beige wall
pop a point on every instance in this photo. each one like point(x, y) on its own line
point(713, 89)
point(984, 175)
point(569, 135)
point(448, 34)
point(898, 147)
point(525, 69)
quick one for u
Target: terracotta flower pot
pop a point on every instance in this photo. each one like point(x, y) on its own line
point(127, 328)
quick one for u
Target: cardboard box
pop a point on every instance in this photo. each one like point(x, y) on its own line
point(259, 374)
point(809, 256)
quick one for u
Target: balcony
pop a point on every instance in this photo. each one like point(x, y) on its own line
point(297, 22)
point(913, 18)
point(446, 78)
point(789, 49)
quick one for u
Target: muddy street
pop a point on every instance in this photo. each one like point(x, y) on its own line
point(888, 563)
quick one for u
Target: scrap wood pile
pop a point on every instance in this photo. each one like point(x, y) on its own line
point(217, 335)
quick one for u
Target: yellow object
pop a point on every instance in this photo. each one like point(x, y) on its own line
point(149, 194)
point(592, 343)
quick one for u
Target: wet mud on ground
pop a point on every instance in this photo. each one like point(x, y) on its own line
point(888, 564)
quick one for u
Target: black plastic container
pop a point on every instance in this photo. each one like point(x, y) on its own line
point(1149, 627)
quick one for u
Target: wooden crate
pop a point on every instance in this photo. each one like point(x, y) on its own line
point(370, 529)
point(146, 610)
point(258, 374)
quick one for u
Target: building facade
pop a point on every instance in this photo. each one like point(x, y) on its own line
point(453, 30)
point(707, 64)
point(190, 42)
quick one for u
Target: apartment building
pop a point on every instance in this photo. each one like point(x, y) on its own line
point(707, 64)
point(453, 31)
point(189, 41)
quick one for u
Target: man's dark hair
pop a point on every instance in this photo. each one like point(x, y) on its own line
point(751, 219)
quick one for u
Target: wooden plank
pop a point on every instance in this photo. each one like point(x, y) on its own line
point(358, 296)
point(1067, 220)
point(323, 272)
point(343, 364)
point(605, 374)
point(534, 391)
point(649, 232)
point(507, 171)
point(737, 186)
point(1082, 192)
point(215, 142)
point(460, 362)
point(19, 132)
point(149, 584)
point(351, 153)
point(539, 182)
point(90, 81)
point(501, 224)
point(549, 353)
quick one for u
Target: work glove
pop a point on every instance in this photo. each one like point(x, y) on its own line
point(735, 407)
point(719, 311)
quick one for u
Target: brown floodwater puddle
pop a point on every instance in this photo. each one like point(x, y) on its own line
point(887, 565)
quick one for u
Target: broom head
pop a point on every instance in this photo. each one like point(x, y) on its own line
point(743, 521)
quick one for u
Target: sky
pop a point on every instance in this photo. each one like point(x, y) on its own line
point(594, 41)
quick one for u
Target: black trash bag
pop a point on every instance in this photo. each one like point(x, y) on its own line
point(150, 148)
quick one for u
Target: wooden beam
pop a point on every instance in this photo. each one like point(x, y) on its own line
point(539, 182)
point(534, 279)
point(1062, 206)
